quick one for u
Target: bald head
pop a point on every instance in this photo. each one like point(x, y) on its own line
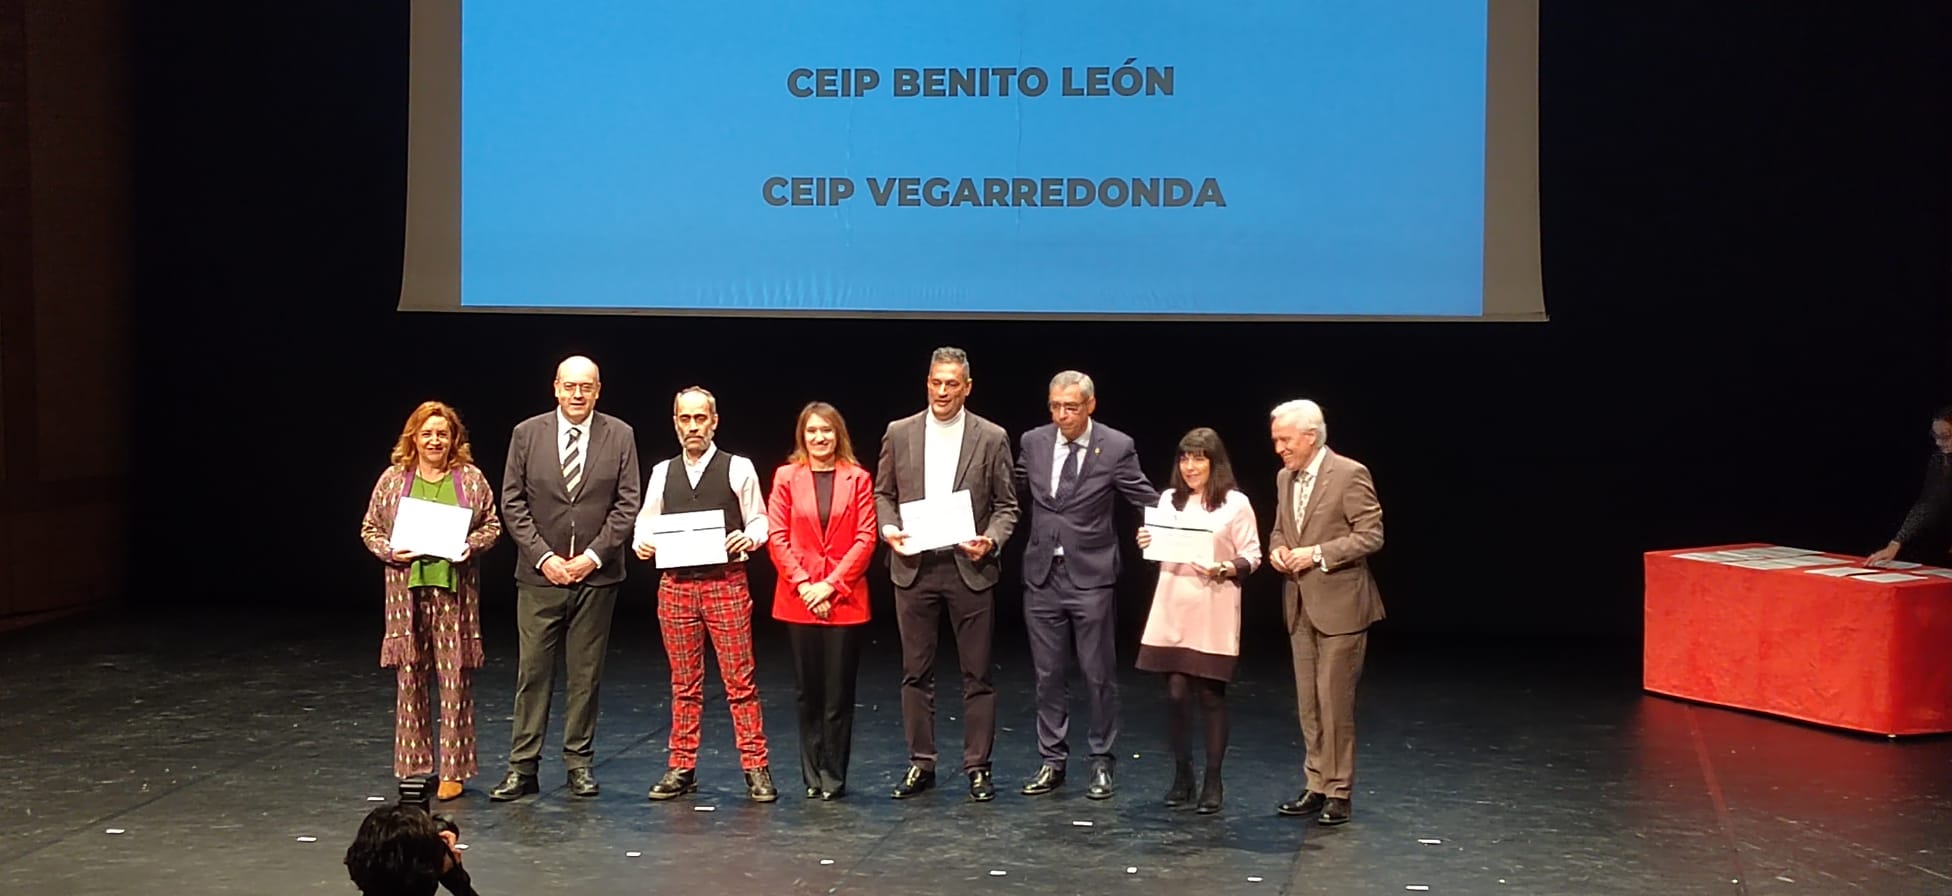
point(579, 367)
point(577, 384)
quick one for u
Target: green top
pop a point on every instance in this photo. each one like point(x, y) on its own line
point(433, 571)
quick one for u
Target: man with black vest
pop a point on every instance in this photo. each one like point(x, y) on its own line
point(696, 601)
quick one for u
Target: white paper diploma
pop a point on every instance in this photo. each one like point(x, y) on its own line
point(938, 522)
point(1176, 538)
point(431, 528)
point(685, 539)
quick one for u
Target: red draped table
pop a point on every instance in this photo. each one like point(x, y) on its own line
point(1870, 656)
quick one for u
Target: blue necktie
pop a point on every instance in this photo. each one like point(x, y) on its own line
point(1067, 478)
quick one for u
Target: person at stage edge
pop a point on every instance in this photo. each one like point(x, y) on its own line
point(820, 533)
point(1327, 525)
point(697, 602)
point(1192, 633)
point(1068, 472)
point(1926, 534)
point(401, 850)
point(569, 500)
point(433, 604)
point(933, 454)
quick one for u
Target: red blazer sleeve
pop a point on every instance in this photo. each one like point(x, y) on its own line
point(779, 524)
point(852, 567)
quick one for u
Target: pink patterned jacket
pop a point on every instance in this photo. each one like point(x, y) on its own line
point(474, 493)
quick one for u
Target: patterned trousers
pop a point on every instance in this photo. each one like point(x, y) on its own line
point(689, 610)
point(437, 635)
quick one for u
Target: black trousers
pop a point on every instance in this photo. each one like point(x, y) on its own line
point(938, 590)
point(826, 659)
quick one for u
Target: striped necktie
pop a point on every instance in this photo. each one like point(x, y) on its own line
point(573, 461)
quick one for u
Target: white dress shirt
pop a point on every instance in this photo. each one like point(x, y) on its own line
point(562, 436)
point(941, 452)
point(745, 484)
point(1063, 451)
point(562, 454)
point(1058, 456)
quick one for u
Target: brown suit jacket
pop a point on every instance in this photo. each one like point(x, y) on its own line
point(983, 467)
point(1343, 517)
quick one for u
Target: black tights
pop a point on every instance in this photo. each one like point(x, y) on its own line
point(1180, 688)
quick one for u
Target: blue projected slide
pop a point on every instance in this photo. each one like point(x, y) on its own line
point(1021, 157)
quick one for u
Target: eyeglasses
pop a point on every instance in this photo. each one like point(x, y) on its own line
point(578, 388)
point(1069, 407)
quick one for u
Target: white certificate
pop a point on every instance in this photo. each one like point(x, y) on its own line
point(685, 539)
point(430, 528)
point(938, 522)
point(1177, 538)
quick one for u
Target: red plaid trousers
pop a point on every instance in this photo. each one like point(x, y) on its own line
point(687, 611)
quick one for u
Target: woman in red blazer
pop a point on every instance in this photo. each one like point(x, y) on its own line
point(820, 534)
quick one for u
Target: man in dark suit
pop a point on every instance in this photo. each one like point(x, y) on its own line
point(933, 454)
point(1927, 529)
point(1068, 473)
point(570, 496)
point(1327, 525)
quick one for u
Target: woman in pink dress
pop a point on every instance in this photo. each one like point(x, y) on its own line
point(1193, 631)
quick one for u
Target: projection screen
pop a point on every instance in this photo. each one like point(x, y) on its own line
point(1144, 159)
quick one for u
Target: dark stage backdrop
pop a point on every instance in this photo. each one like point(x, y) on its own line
point(1747, 223)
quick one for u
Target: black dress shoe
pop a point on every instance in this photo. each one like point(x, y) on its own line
point(1181, 792)
point(812, 792)
point(676, 782)
point(1336, 811)
point(1101, 783)
point(1210, 794)
point(915, 781)
point(1048, 778)
point(759, 785)
point(582, 782)
point(834, 794)
point(1308, 803)
point(981, 788)
point(513, 786)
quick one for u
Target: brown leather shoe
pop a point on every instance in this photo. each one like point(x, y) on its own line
point(448, 790)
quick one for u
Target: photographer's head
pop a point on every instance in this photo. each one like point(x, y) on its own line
point(400, 850)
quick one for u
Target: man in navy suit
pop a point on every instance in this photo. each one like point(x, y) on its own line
point(1068, 473)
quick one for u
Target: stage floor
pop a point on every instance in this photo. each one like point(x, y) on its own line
point(216, 745)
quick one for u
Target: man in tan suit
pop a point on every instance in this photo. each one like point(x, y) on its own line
point(1327, 525)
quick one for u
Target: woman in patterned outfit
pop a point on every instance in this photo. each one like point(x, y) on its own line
point(433, 616)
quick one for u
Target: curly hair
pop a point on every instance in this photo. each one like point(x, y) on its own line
point(404, 451)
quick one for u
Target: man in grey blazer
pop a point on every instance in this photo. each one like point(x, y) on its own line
point(1069, 472)
point(1327, 524)
point(570, 495)
point(937, 452)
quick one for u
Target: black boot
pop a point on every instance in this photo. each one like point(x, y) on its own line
point(1181, 792)
point(1210, 793)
